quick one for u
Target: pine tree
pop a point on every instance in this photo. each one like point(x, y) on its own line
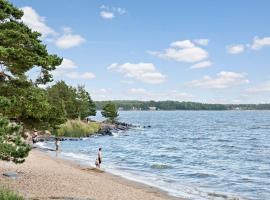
point(110, 111)
point(12, 146)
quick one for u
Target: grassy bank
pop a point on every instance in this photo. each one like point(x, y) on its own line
point(77, 128)
point(6, 194)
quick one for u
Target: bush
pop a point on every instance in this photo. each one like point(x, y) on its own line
point(6, 194)
point(77, 128)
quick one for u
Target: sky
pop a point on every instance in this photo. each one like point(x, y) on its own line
point(202, 51)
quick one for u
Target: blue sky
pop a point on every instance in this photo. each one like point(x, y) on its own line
point(203, 51)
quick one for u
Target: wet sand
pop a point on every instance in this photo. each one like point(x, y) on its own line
point(44, 177)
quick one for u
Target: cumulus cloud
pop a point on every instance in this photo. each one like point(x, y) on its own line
point(67, 64)
point(106, 15)
point(109, 12)
point(203, 42)
point(36, 22)
point(201, 65)
point(183, 51)
point(68, 39)
point(222, 80)
point(261, 88)
point(259, 43)
point(236, 49)
point(66, 69)
point(145, 72)
point(78, 76)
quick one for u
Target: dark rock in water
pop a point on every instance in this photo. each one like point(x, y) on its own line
point(12, 175)
point(105, 130)
point(147, 126)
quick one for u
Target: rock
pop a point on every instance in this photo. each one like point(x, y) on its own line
point(105, 130)
point(12, 175)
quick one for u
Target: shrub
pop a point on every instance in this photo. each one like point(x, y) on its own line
point(6, 194)
point(77, 128)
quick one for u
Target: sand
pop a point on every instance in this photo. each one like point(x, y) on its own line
point(45, 177)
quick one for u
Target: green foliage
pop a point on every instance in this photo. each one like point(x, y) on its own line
point(6, 194)
point(85, 105)
point(20, 47)
point(78, 128)
point(110, 111)
point(13, 147)
point(20, 51)
point(29, 105)
point(77, 101)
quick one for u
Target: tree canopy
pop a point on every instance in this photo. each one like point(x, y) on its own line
point(77, 101)
point(110, 111)
point(21, 101)
point(21, 48)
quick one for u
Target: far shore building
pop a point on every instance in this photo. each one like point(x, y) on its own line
point(152, 108)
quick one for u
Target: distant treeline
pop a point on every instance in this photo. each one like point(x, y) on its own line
point(176, 105)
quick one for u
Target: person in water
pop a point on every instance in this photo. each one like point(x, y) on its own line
point(57, 144)
point(99, 157)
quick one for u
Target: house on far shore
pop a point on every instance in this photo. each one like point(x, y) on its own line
point(152, 108)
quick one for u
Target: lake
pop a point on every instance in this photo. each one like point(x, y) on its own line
point(192, 154)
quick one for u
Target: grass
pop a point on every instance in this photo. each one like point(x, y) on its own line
point(77, 128)
point(6, 194)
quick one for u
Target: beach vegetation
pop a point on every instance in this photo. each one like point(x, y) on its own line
point(6, 194)
point(78, 128)
point(12, 145)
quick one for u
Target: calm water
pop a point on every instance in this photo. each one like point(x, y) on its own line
point(197, 155)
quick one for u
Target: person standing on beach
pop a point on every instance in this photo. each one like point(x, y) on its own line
point(99, 156)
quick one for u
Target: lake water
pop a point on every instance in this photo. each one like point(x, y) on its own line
point(192, 154)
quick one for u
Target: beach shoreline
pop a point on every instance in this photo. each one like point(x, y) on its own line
point(45, 177)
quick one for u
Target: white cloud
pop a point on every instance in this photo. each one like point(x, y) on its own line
point(112, 66)
point(106, 15)
point(66, 70)
point(264, 87)
point(182, 44)
point(145, 72)
point(84, 75)
point(36, 22)
point(67, 64)
point(183, 51)
point(201, 65)
point(109, 12)
point(222, 80)
point(69, 40)
point(236, 49)
point(137, 91)
point(259, 43)
point(203, 42)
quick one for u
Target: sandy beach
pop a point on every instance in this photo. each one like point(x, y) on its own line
point(44, 177)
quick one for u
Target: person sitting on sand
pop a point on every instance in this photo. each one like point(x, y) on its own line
point(99, 157)
point(57, 144)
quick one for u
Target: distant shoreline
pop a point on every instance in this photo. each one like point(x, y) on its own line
point(129, 105)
